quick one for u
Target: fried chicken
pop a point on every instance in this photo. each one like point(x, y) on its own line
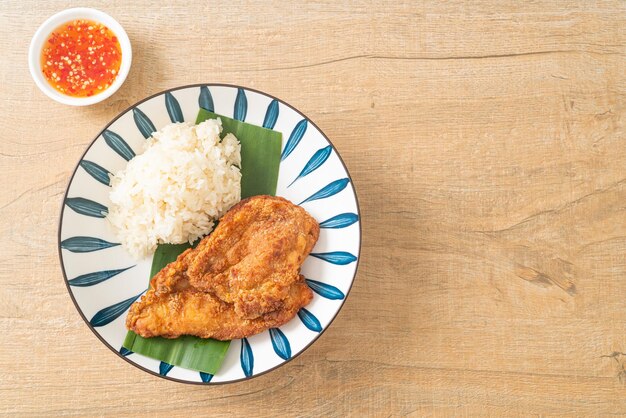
point(239, 281)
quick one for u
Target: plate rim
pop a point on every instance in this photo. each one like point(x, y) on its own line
point(60, 225)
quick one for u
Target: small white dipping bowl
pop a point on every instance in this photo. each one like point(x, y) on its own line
point(44, 31)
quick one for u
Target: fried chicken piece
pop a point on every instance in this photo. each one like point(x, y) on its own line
point(191, 312)
point(239, 281)
point(254, 255)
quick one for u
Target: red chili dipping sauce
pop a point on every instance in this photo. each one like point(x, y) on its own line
point(81, 58)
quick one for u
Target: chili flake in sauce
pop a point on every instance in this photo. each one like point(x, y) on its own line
point(81, 58)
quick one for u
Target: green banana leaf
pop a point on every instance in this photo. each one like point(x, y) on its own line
point(260, 160)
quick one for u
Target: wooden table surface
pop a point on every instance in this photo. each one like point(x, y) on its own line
point(486, 142)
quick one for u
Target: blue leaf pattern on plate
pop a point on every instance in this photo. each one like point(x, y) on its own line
point(164, 368)
point(340, 221)
point(118, 145)
point(330, 189)
point(336, 257)
point(86, 244)
point(325, 290)
point(241, 106)
point(99, 173)
point(173, 108)
point(110, 314)
point(294, 139)
point(315, 162)
point(106, 270)
point(206, 377)
point(205, 100)
point(125, 351)
point(246, 358)
point(144, 124)
point(90, 279)
point(271, 115)
point(309, 320)
point(280, 343)
point(87, 207)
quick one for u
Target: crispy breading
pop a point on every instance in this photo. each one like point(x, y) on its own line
point(241, 280)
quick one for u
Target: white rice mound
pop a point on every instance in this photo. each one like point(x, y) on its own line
point(185, 179)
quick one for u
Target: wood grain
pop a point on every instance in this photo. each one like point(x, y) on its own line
point(486, 142)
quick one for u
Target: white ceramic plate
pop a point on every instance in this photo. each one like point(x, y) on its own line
point(103, 280)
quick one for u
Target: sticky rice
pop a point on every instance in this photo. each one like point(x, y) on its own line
point(184, 180)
